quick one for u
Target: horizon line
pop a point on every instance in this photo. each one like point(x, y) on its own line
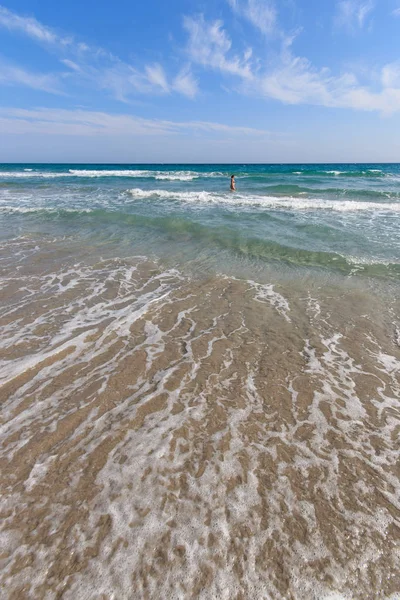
point(205, 163)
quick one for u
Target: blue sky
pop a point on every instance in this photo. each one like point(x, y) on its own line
point(209, 81)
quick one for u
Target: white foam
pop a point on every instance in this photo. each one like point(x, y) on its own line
point(168, 175)
point(38, 473)
point(93, 173)
point(139, 485)
point(266, 292)
point(48, 209)
point(269, 202)
point(30, 175)
point(390, 363)
point(177, 175)
point(108, 173)
point(360, 260)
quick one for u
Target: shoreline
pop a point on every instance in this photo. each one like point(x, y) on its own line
point(195, 437)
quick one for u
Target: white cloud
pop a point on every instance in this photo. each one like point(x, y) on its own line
point(29, 26)
point(396, 12)
point(391, 75)
point(261, 13)
point(91, 123)
point(97, 67)
point(120, 79)
point(352, 14)
point(13, 75)
point(123, 80)
point(71, 65)
point(185, 83)
point(292, 79)
point(32, 28)
point(209, 45)
point(289, 79)
point(156, 76)
point(297, 82)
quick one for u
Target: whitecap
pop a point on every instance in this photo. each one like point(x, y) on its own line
point(270, 202)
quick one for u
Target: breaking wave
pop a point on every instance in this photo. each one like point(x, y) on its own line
point(271, 202)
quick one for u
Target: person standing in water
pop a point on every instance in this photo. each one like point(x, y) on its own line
point(233, 184)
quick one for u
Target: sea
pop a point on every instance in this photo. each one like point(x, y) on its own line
point(200, 389)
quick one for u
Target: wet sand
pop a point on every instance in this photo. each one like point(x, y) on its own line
point(169, 437)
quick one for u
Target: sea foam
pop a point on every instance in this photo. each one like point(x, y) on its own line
point(269, 202)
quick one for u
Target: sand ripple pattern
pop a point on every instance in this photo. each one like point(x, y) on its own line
point(170, 438)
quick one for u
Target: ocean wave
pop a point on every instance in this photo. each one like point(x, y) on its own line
point(31, 174)
point(7, 209)
point(96, 173)
point(272, 202)
point(360, 260)
point(293, 190)
point(177, 176)
point(368, 173)
point(314, 172)
point(108, 173)
point(146, 174)
point(191, 174)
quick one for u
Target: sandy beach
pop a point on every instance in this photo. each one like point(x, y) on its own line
point(166, 436)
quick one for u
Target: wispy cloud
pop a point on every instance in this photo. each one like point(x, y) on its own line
point(291, 79)
point(14, 75)
point(353, 14)
point(83, 122)
point(38, 32)
point(28, 26)
point(156, 76)
point(185, 83)
point(261, 13)
point(296, 81)
point(390, 75)
point(284, 77)
point(210, 46)
point(396, 12)
point(95, 66)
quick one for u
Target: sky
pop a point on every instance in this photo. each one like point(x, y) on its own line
point(208, 81)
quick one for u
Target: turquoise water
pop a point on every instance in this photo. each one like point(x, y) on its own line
point(341, 218)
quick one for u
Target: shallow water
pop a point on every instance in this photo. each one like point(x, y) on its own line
point(188, 417)
point(336, 216)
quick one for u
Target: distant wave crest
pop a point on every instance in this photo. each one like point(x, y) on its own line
point(96, 173)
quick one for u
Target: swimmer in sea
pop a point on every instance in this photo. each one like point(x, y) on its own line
point(233, 184)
